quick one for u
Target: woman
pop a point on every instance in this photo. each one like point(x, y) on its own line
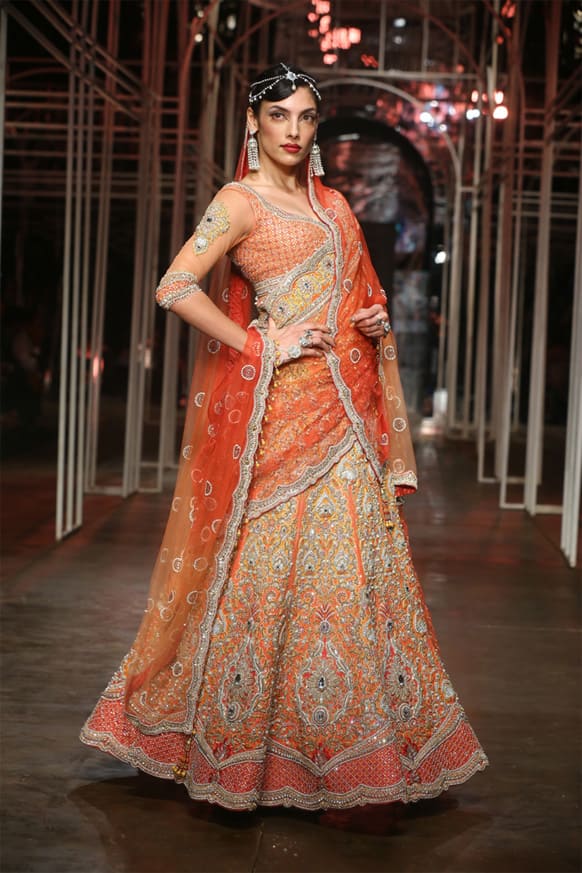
point(286, 655)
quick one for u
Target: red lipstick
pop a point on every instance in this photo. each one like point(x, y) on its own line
point(292, 149)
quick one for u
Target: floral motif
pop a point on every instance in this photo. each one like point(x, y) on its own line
point(213, 224)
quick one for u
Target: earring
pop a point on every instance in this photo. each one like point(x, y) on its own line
point(252, 152)
point(315, 164)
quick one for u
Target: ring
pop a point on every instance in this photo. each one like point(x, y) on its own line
point(386, 327)
point(380, 320)
point(294, 351)
point(305, 340)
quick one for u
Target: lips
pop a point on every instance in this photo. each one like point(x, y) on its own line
point(292, 149)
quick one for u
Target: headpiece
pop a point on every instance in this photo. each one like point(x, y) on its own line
point(269, 83)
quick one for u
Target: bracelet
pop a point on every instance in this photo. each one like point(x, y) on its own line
point(176, 286)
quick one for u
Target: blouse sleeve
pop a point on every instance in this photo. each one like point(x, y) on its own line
point(227, 221)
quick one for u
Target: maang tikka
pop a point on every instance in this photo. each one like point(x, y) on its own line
point(315, 164)
point(252, 151)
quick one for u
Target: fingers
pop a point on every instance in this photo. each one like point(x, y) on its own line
point(368, 315)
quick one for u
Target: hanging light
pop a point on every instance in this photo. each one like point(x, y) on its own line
point(500, 112)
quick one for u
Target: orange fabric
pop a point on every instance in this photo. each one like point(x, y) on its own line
point(286, 654)
point(221, 436)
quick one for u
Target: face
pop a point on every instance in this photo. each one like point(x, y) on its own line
point(286, 129)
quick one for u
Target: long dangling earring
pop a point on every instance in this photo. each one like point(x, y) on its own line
point(315, 164)
point(253, 152)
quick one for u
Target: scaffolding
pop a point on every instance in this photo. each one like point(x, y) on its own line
point(157, 129)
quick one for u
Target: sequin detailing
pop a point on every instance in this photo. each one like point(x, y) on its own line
point(307, 672)
point(175, 286)
point(215, 222)
point(323, 684)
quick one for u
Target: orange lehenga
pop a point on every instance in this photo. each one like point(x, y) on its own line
point(286, 655)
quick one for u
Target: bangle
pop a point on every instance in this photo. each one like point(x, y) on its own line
point(176, 286)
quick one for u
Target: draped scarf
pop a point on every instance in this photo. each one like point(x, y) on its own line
point(160, 677)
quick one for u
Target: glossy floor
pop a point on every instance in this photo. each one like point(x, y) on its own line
point(507, 613)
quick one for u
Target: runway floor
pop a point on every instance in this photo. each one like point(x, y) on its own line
point(507, 614)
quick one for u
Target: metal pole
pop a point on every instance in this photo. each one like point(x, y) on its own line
point(533, 462)
point(3, 39)
point(444, 308)
point(483, 318)
point(455, 290)
point(510, 377)
point(62, 520)
point(471, 281)
point(573, 462)
point(101, 259)
point(382, 38)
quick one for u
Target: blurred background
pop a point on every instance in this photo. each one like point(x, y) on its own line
point(454, 130)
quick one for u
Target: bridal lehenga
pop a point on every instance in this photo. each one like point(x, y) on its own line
point(287, 655)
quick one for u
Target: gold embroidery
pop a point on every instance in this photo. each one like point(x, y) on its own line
point(214, 223)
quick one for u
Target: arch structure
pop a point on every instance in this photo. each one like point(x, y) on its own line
point(121, 120)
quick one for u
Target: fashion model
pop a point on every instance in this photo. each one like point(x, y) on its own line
point(286, 655)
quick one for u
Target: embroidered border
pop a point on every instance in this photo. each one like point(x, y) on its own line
point(331, 358)
point(285, 492)
point(224, 556)
point(286, 796)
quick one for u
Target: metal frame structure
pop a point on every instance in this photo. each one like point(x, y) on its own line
point(488, 171)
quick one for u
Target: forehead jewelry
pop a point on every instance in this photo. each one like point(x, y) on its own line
point(269, 83)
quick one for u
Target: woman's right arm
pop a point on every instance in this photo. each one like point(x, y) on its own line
point(227, 221)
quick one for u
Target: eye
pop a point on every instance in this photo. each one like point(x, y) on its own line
point(276, 114)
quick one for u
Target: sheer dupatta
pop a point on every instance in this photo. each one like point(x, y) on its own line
point(161, 676)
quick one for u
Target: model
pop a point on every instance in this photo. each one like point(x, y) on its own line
point(286, 655)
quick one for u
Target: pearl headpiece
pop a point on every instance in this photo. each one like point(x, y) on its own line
point(303, 79)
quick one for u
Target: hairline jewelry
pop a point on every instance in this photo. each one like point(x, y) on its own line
point(274, 80)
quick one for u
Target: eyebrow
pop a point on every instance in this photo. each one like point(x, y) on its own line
point(282, 109)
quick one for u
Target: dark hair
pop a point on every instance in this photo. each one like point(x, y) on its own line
point(278, 83)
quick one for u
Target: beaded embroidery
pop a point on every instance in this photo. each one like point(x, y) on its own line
point(176, 286)
point(214, 222)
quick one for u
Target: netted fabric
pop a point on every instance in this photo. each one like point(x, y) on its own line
point(268, 668)
point(324, 684)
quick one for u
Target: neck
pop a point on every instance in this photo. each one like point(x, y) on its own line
point(285, 178)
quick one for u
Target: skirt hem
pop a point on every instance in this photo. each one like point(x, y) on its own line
point(360, 795)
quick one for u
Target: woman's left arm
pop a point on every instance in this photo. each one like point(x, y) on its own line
point(372, 321)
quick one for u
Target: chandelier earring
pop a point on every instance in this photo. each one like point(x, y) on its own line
point(315, 164)
point(253, 151)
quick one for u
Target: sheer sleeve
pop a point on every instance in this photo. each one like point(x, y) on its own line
point(227, 221)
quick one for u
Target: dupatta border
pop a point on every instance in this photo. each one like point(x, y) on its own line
point(239, 504)
point(343, 390)
point(223, 557)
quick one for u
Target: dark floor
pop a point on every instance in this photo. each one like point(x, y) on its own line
point(507, 612)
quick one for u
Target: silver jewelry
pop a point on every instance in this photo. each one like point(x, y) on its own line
point(380, 320)
point(315, 163)
point(269, 83)
point(386, 327)
point(175, 286)
point(294, 352)
point(253, 151)
point(305, 341)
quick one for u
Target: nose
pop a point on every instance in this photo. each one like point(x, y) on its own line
point(293, 128)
